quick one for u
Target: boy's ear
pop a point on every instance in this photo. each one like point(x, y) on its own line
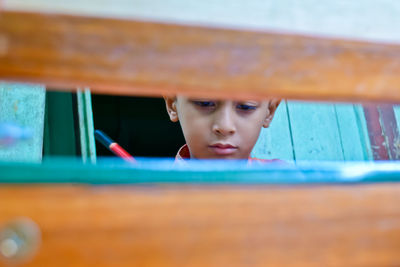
point(272, 106)
point(170, 103)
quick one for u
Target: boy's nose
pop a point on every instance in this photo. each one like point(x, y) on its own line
point(224, 123)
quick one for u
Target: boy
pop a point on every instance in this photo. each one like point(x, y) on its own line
point(219, 129)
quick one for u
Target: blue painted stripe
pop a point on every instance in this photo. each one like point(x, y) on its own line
point(155, 171)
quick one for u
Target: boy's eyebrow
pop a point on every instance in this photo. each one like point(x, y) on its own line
point(203, 100)
point(249, 101)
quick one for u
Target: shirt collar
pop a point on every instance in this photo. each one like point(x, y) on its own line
point(183, 153)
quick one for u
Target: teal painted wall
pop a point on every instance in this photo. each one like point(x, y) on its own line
point(24, 105)
point(275, 142)
point(353, 132)
point(315, 131)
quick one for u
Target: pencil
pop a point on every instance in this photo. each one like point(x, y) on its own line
point(112, 146)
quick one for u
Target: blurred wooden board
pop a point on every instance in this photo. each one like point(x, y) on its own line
point(337, 225)
point(371, 20)
point(118, 56)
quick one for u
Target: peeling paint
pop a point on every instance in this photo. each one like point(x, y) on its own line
point(15, 106)
point(396, 146)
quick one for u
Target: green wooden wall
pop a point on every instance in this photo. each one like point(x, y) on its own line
point(61, 123)
point(60, 138)
point(69, 125)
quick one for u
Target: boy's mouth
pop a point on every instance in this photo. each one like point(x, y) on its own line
point(223, 149)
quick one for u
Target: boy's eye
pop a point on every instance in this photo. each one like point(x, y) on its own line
point(204, 104)
point(245, 107)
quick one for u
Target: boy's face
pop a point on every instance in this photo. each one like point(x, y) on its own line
point(216, 129)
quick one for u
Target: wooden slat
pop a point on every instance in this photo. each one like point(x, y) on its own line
point(211, 226)
point(315, 131)
point(376, 133)
point(373, 20)
point(396, 110)
point(130, 57)
point(353, 134)
point(383, 131)
point(363, 131)
point(389, 125)
point(86, 125)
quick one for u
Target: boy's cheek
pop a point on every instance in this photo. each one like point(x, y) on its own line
point(197, 125)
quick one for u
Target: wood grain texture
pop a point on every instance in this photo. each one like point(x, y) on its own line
point(389, 125)
point(131, 57)
point(334, 225)
point(383, 131)
point(373, 20)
